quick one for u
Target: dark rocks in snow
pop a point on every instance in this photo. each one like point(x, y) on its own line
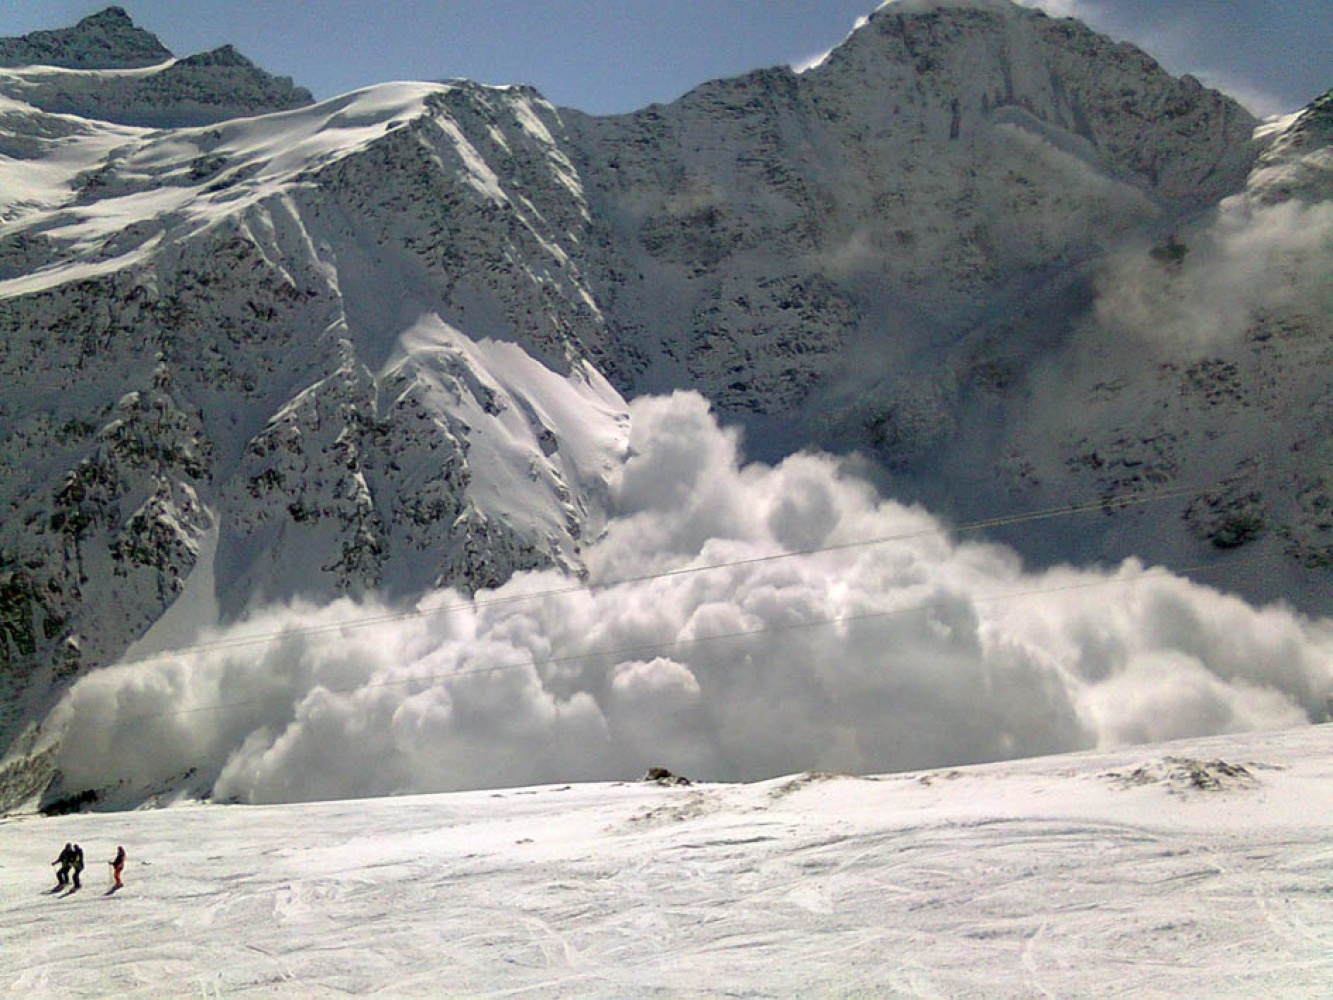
point(662, 776)
point(1188, 774)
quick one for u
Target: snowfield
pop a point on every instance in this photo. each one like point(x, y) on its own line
point(1197, 868)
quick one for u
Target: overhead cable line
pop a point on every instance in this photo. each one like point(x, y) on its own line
point(240, 641)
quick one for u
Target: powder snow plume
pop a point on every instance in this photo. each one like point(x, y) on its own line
point(740, 621)
point(1250, 260)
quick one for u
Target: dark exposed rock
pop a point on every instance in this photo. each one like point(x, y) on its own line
point(661, 776)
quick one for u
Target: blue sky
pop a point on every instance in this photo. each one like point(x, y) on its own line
point(616, 55)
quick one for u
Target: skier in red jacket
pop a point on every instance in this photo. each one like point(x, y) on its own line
point(117, 866)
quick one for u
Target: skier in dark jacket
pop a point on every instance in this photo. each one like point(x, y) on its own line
point(65, 860)
point(76, 865)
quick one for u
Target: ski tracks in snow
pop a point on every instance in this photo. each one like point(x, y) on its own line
point(1021, 880)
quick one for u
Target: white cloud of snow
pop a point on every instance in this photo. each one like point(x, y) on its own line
point(1252, 259)
point(702, 645)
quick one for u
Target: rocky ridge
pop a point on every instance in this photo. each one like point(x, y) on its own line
point(108, 69)
point(105, 40)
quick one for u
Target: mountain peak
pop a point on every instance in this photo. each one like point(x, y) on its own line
point(200, 89)
point(110, 19)
point(956, 67)
point(226, 55)
point(108, 39)
point(919, 6)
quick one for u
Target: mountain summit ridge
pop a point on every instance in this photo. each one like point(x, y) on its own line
point(110, 70)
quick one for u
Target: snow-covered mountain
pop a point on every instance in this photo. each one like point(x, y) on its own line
point(247, 340)
point(259, 350)
point(1014, 262)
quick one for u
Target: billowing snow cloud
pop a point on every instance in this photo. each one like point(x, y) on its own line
point(1205, 288)
point(741, 621)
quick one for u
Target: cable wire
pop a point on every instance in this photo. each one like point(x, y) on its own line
point(425, 682)
point(233, 642)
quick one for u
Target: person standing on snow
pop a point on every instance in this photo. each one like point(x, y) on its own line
point(76, 865)
point(117, 866)
point(65, 859)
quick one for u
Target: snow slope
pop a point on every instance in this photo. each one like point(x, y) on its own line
point(1199, 868)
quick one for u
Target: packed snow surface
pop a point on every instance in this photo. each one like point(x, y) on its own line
point(1199, 868)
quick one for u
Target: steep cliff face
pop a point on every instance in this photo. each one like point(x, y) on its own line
point(382, 344)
